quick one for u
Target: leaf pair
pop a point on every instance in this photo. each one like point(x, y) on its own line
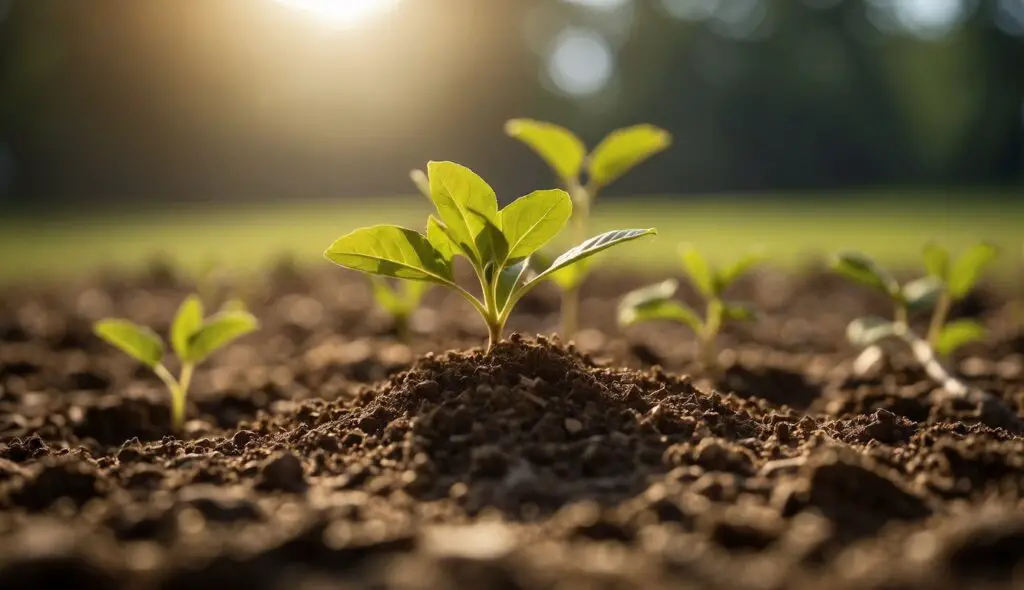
point(919, 294)
point(656, 302)
point(566, 154)
point(193, 339)
point(398, 300)
point(958, 276)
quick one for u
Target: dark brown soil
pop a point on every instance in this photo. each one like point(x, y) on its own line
point(325, 453)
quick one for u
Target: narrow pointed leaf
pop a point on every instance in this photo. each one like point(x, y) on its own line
point(860, 268)
point(592, 246)
point(532, 221)
point(864, 332)
point(731, 273)
point(663, 290)
point(556, 145)
point(922, 293)
point(958, 333)
point(391, 251)
point(455, 190)
point(965, 272)
point(568, 277)
point(936, 261)
point(438, 238)
point(698, 270)
point(623, 149)
point(186, 322)
point(510, 278)
point(419, 178)
point(739, 312)
point(138, 342)
point(219, 330)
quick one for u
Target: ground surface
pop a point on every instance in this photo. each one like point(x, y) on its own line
point(323, 453)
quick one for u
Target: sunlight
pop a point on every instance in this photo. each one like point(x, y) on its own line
point(343, 13)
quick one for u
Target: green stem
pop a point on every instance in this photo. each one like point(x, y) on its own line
point(177, 394)
point(939, 318)
point(571, 297)
point(712, 324)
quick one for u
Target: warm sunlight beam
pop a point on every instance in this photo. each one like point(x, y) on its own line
point(343, 13)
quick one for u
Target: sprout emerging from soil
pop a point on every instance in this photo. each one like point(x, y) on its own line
point(656, 302)
point(497, 243)
point(193, 339)
point(944, 284)
point(583, 175)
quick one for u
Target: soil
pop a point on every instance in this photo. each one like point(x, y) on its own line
point(324, 452)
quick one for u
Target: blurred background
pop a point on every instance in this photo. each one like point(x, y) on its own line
point(115, 108)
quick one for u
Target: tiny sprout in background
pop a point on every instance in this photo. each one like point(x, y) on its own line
point(944, 281)
point(400, 299)
point(497, 243)
point(656, 302)
point(583, 175)
point(193, 339)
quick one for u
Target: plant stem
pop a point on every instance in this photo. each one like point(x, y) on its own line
point(712, 324)
point(571, 297)
point(177, 393)
point(939, 318)
point(494, 329)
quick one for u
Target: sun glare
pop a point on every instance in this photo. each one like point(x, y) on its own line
point(343, 13)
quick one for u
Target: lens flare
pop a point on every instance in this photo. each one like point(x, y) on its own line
point(343, 13)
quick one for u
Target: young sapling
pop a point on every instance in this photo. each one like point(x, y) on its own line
point(953, 280)
point(584, 175)
point(192, 337)
point(868, 333)
point(497, 243)
point(656, 302)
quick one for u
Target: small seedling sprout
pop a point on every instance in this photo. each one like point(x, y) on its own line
point(656, 302)
point(944, 284)
point(584, 175)
point(400, 299)
point(192, 337)
point(497, 243)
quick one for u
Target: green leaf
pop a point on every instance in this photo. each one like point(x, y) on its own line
point(438, 238)
point(936, 261)
point(699, 271)
point(739, 312)
point(922, 293)
point(532, 221)
point(967, 269)
point(860, 268)
point(571, 276)
point(186, 322)
point(490, 242)
point(510, 278)
point(729, 274)
point(386, 296)
point(455, 190)
point(391, 251)
point(558, 146)
point(419, 178)
point(219, 330)
point(136, 341)
point(592, 246)
point(654, 302)
point(623, 149)
point(864, 332)
point(958, 333)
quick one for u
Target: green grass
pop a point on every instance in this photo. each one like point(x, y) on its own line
point(789, 231)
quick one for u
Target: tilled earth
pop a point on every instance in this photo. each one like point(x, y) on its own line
point(323, 452)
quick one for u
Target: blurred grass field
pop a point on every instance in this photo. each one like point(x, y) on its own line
point(790, 231)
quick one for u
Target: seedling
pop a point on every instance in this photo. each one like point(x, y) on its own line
point(655, 302)
point(584, 175)
point(952, 281)
point(193, 339)
point(400, 299)
point(869, 332)
point(497, 243)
